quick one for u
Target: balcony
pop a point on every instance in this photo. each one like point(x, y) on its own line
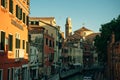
point(19, 55)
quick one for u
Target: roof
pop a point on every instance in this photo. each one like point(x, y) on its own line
point(83, 29)
point(45, 20)
point(92, 36)
point(74, 37)
point(42, 18)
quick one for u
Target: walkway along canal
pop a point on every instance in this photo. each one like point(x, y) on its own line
point(77, 76)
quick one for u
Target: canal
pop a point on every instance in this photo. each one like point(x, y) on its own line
point(74, 77)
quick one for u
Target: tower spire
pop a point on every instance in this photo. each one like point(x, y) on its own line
point(68, 27)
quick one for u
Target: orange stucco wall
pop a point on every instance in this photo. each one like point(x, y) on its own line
point(10, 24)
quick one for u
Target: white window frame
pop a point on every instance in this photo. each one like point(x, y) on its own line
point(17, 51)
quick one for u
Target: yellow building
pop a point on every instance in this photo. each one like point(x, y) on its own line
point(13, 39)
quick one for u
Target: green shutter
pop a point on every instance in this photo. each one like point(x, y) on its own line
point(23, 44)
point(21, 14)
point(10, 42)
point(23, 17)
point(17, 43)
point(4, 3)
point(11, 6)
point(2, 40)
point(26, 47)
point(27, 20)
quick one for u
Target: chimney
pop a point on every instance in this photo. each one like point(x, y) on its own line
point(113, 38)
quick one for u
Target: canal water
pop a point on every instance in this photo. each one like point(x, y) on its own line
point(74, 77)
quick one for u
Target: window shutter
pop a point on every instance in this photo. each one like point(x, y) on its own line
point(17, 11)
point(2, 3)
point(10, 42)
point(21, 14)
point(5, 3)
point(27, 20)
point(2, 42)
point(11, 6)
point(23, 17)
point(26, 47)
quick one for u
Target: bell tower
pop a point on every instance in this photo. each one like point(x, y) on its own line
point(68, 27)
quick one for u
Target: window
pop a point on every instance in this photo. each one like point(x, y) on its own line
point(23, 44)
point(2, 40)
point(47, 31)
point(27, 20)
point(50, 43)
point(12, 73)
point(17, 43)
point(31, 51)
point(18, 12)
point(11, 6)
point(46, 41)
point(51, 57)
point(53, 44)
point(23, 17)
point(4, 3)
point(35, 51)
point(10, 42)
point(36, 23)
point(28, 2)
point(52, 34)
point(8, 74)
point(26, 47)
point(32, 22)
point(29, 38)
point(1, 74)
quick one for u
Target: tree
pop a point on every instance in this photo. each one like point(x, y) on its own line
point(101, 41)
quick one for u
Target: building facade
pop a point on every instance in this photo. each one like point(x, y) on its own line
point(113, 66)
point(52, 29)
point(51, 41)
point(36, 54)
point(74, 49)
point(79, 47)
point(14, 39)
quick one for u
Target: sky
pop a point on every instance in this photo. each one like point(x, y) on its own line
point(89, 13)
